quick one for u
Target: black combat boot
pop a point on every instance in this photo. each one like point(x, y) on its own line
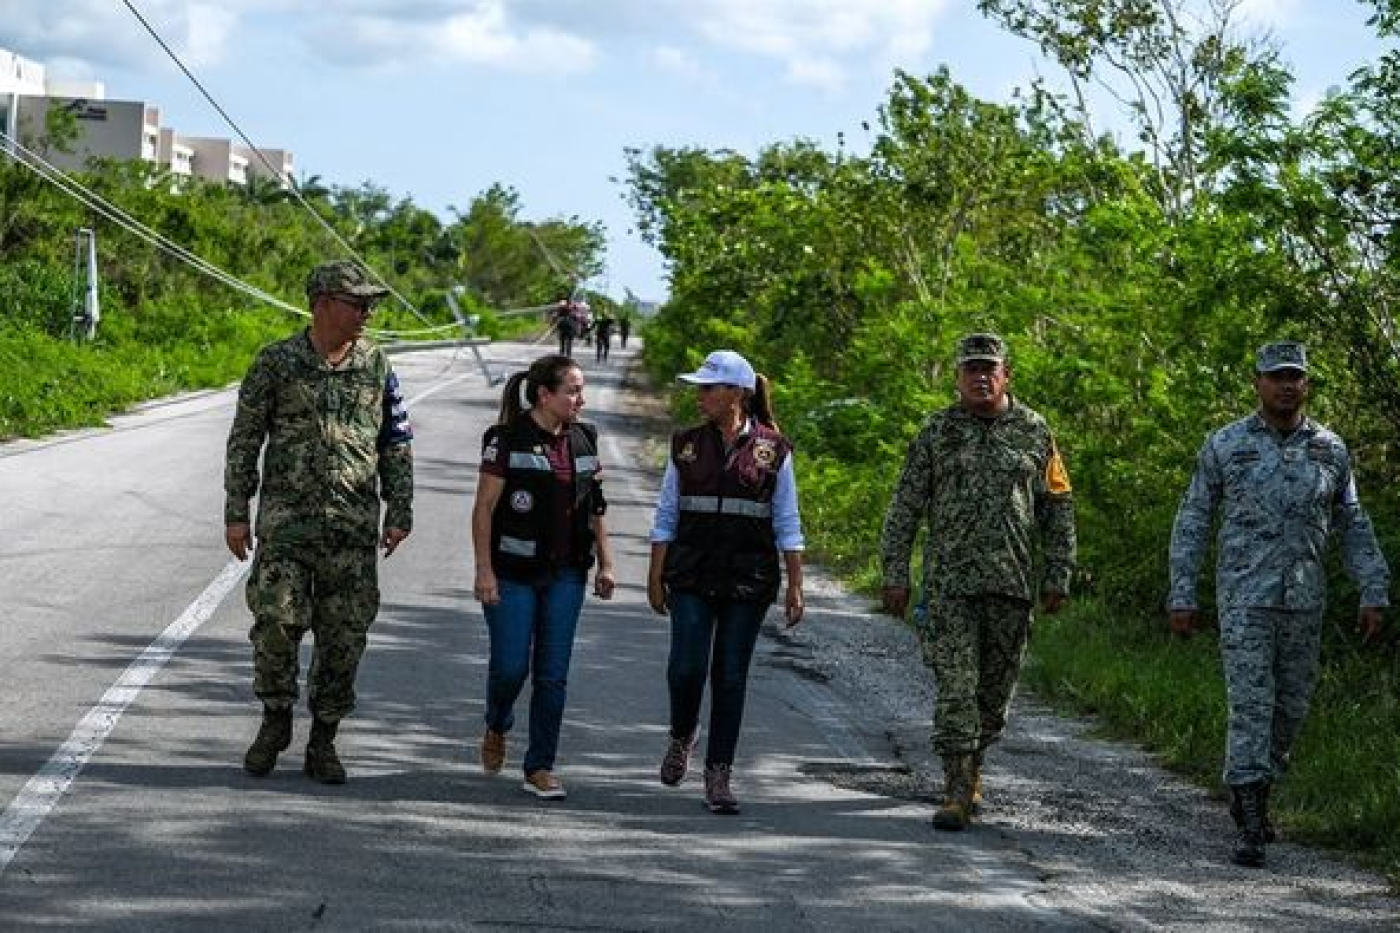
point(274, 735)
point(1264, 787)
point(956, 812)
point(322, 762)
point(1249, 842)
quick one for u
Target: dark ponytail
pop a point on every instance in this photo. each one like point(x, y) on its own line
point(522, 389)
point(759, 402)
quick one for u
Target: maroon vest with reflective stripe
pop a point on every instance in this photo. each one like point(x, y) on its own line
point(725, 546)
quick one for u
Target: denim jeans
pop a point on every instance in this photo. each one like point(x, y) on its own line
point(532, 634)
point(714, 638)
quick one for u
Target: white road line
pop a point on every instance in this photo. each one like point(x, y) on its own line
point(43, 791)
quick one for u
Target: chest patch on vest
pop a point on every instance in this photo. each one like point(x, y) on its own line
point(765, 452)
point(522, 501)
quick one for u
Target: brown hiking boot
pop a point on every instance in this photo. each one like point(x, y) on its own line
point(718, 797)
point(274, 735)
point(493, 751)
point(676, 760)
point(322, 762)
point(545, 785)
point(956, 812)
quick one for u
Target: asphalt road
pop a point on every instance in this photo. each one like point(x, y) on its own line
point(128, 705)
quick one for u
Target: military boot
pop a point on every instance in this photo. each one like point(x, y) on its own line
point(274, 735)
point(956, 812)
point(1249, 842)
point(322, 762)
point(1238, 814)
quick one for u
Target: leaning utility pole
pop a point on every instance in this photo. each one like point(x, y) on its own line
point(86, 310)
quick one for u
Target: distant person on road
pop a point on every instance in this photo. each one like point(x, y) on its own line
point(985, 476)
point(565, 326)
point(727, 510)
point(624, 328)
point(537, 527)
point(325, 411)
point(1283, 483)
point(603, 328)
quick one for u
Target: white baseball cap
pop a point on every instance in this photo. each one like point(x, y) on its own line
point(722, 367)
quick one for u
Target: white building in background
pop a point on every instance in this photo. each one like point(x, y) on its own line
point(106, 129)
point(282, 166)
point(217, 160)
point(117, 129)
point(175, 154)
point(18, 76)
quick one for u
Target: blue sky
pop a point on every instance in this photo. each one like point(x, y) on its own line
point(438, 99)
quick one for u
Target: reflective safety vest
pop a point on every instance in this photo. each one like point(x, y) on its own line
point(725, 546)
point(525, 520)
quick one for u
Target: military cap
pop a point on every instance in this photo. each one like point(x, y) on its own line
point(987, 347)
point(1282, 354)
point(342, 277)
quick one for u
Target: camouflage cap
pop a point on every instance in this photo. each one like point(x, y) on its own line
point(342, 277)
point(1282, 354)
point(988, 347)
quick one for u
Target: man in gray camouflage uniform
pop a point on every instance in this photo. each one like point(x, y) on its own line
point(327, 406)
point(986, 476)
point(1283, 482)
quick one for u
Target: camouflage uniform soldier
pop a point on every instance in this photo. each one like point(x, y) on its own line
point(986, 476)
point(1284, 481)
point(327, 407)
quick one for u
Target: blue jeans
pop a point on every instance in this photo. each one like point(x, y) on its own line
point(714, 638)
point(532, 632)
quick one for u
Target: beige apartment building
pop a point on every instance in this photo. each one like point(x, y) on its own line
point(118, 129)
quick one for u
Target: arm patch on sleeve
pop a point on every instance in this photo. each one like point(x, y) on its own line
point(1056, 476)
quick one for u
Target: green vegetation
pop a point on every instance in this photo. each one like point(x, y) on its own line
point(166, 328)
point(1134, 284)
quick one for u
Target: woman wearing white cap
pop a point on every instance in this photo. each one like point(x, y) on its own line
point(728, 507)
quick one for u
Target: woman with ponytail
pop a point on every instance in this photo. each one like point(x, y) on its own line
point(537, 527)
point(727, 509)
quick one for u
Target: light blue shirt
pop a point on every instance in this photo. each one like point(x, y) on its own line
point(1279, 499)
point(787, 522)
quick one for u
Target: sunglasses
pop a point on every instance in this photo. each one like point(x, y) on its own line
point(362, 305)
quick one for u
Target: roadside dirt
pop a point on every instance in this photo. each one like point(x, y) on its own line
point(1117, 840)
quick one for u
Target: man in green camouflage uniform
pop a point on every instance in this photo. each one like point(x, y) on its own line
point(325, 410)
point(1283, 482)
point(986, 476)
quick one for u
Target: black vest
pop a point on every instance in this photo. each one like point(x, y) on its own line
point(524, 522)
point(725, 546)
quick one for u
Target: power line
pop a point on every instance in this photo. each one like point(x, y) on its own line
point(94, 201)
point(275, 172)
point(70, 186)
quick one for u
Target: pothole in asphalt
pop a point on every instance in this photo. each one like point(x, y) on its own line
point(792, 664)
point(897, 781)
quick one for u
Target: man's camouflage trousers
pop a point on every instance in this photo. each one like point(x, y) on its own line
point(1270, 658)
point(333, 592)
point(975, 646)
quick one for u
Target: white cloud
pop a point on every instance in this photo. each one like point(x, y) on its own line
point(85, 35)
point(819, 41)
point(1271, 14)
point(680, 62)
point(479, 35)
point(815, 42)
